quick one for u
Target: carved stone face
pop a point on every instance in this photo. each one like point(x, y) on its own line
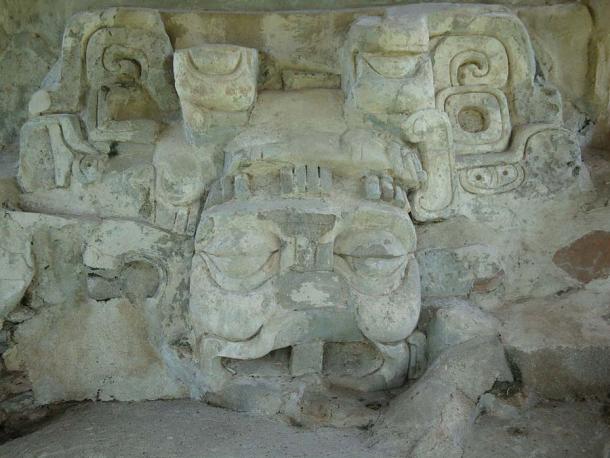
point(289, 155)
point(275, 272)
point(344, 260)
point(305, 241)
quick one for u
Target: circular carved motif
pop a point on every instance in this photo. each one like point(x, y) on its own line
point(472, 120)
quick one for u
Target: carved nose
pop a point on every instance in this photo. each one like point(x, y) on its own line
point(303, 249)
point(310, 290)
point(302, 254)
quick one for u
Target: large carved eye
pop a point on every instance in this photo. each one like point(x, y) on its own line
point(374, 260)
point(241, 260)
point(371, 253)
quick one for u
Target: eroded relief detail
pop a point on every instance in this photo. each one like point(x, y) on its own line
point(257, 214)
point(216, 85)
point(304, 243)
point(129, 87)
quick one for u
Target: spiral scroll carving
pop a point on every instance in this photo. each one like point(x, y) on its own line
point(470, 60)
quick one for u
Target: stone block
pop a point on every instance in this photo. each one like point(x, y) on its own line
point(28, 57)
point(586, 258)
point(16, 264)
point(95, 351)
point(307, 358)
point(458, 272)
point(457, 323)
point(561, 345)
point(435, 414)
point(553, 164)
point(105, 306)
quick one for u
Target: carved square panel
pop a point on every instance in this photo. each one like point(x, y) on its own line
point(479, 118)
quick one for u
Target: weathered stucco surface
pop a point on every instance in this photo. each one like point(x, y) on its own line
point(308, 213)
point(571, 41)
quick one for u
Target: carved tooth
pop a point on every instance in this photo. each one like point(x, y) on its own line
point(226, 184)
point(300, 175)
point(181, 219)
point(417, 352)
point(400, 197)
point(193, 217)
point(313, 178)
point(326, 179)
point(324, 257)
point(372, 191)
point(241, 186)
point(286, 180)
point(387, 188)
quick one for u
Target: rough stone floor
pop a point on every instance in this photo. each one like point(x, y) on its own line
point(194, 429)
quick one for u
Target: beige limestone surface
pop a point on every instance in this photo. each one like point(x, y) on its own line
point(356, 217)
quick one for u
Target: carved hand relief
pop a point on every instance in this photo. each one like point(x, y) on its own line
point(431, 131)
point(180, 183)
point(256, 204)
point(466, 69)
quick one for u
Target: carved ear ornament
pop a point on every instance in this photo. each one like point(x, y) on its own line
point(137, 276)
